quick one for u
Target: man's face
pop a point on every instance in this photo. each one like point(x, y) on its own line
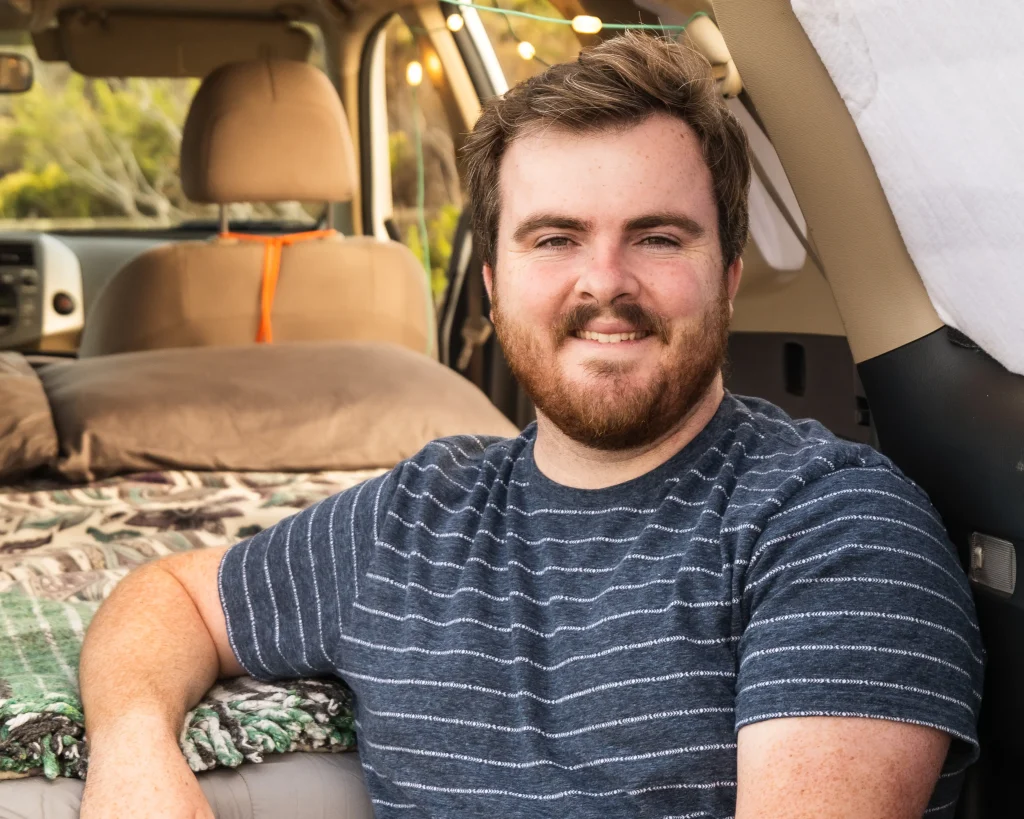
point(609, 295)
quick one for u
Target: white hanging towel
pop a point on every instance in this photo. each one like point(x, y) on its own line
point(936, 89)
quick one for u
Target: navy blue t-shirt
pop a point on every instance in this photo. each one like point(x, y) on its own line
point(522, 648)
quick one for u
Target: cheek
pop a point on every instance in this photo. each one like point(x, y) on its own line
point(680, 296)
point(534, 298)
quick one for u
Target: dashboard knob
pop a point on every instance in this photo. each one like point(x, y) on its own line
point(63, 304)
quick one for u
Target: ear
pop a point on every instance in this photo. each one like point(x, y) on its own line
point(489, 287)
point(733, 275)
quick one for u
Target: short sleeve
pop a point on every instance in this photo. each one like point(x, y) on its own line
point(855, 604)
point(287, 591)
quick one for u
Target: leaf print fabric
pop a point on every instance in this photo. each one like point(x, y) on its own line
point(62, 551)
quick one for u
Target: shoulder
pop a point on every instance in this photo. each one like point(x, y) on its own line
point(769, 447)
point(780, 472)
point(457, 462)
point(768, 432)
point(460, 455)
point(825, 497)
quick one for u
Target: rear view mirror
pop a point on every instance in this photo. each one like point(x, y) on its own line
point(16, 73)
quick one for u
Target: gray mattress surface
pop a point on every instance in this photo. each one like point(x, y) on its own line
point(299, 785)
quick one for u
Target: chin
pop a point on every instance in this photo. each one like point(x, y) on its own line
point(599, 370)
point(620, 398)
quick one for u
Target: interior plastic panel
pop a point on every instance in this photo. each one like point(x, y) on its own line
point(809, 376)
point(101, 257)
point(952, 418)
point(880, 296)
point(784, 301)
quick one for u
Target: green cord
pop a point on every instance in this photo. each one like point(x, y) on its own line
point(563, 22)
point(511, 12)
point(516, 37)
point(506, 13)
point(421, 192)
point(421, 214)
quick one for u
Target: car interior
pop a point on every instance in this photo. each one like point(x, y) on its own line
point(237, 268)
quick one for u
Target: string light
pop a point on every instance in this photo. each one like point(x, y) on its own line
point(414, 73)
point(586, 24)
point(581, 23)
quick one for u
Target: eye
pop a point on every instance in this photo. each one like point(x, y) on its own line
point(555, 242)
point(659, 241)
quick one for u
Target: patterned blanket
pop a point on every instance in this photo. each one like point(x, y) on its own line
point(63, 549)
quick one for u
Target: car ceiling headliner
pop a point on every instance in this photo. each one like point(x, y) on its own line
point(36, 14)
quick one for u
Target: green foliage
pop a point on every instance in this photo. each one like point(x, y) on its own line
point(442, 192)
point(402, 158)
point(79, 147)
point(441, 231)
point(47, 194)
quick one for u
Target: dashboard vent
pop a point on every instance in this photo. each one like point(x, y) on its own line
point(21, 254)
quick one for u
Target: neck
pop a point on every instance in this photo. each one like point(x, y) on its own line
point(573, 464)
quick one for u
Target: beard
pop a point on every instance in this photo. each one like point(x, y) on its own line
point(609, 411)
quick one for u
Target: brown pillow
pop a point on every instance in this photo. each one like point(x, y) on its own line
point(27, 437)
point(283, 407)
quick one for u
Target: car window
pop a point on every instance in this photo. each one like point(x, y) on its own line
point(87, 153)
point(525, 47)
point(426, 193)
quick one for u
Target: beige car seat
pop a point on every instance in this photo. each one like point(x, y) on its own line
point(264, 131)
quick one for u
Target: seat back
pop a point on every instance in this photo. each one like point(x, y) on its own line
point(264, 131)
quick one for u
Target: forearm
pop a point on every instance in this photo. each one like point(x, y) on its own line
point(148, 656)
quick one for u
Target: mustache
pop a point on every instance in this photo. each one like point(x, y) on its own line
point(637, 316)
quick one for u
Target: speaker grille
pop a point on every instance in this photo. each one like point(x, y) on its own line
point(993, 563)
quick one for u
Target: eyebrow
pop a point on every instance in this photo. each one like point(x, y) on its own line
point(668, 219)
point(548, 220)
point(652, 220)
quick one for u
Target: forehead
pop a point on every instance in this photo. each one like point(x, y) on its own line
point(608, 174)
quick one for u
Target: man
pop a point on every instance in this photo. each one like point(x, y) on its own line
point(660, 600)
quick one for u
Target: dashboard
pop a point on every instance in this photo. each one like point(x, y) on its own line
point(47, 283)
point(41, 294)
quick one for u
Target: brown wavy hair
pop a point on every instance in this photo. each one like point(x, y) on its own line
point(620, 82)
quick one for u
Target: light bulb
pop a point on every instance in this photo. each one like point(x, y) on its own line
point(414, 73)
point(455, 22)
point(526, 50)
point(433, 64)
point(585, 24)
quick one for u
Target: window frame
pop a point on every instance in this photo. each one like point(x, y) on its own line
point(461, 62)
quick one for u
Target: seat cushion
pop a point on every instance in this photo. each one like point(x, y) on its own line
point(303, 786)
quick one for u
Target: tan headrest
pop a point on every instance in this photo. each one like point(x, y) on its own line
point(267, 131)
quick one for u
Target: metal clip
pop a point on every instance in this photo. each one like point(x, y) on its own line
point(475, 332)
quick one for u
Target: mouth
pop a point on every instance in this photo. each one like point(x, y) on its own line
point(611, 338)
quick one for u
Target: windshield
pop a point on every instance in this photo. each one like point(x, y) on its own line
point(84, 153)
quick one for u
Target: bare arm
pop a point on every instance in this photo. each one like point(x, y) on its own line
point(151, 652)
point(837, 768)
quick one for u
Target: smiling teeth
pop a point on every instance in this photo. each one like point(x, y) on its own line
point(610, 338)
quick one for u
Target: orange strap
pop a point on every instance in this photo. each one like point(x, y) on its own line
point(272, 246)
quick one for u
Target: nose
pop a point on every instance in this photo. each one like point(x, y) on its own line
point(605, 275)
